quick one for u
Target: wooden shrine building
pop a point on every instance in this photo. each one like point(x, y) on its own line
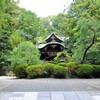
point(51, 47)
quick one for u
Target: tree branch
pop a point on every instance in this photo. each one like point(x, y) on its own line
point(85, 52)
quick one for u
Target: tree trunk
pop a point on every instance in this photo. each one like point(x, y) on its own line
point(85, 52)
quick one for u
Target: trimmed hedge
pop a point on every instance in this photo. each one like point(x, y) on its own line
point(48, 69)
point(96, 71)
point(84, 70)
point(72, 65)
point(35, 71)
point(20, 71)
point(63, 64)
point(60, 71)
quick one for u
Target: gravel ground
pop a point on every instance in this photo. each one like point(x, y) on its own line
point(11, 84)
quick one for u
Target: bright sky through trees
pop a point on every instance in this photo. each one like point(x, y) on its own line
point(45, 8)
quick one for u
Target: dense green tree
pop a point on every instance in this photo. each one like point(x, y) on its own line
point(56, 24)
point(8, 15)
point(15, 39)
point(81, 24)
point(60, 24)
point(47, 23)
point(85, 30)
point(16, 25)
point(4, 50)
point(25, 53)
point(30, 24)
point(8, 22)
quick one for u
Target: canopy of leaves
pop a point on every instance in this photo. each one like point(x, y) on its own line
point(86, 30)
point(16, 25)
point(25, 53)
point(81, 24)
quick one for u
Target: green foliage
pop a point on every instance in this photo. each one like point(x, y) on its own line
point(81, 24)
point(48, 69)
point(96, 71)
point(26, 52)
point(87, 38)
point(67, 57)
point(93, 56)
point(35, 71)
point(85, 29)
point(8, 15)
point(52, 61)
point(16, 25)
point(2, 71)
point(20, 71)
point(30, 24)
point(58, 25)
point(4, 50)
point(46, 23)
point(72, 65)
point(62, 64)
point(60, 71)
point(84, 70)
point(8, 21)
point(15, 39)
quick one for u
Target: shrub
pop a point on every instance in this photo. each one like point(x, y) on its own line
point(72, 65)
point(2, 71)
point(20, 71)
point(67, 57)
point(84, 70)
point(96, 71)
point(35, 71)
point(62, 64)
point(26, 52)
point(48, 69)
point(53, 62)
point(60, 71)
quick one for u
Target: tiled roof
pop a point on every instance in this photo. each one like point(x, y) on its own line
point(50, 43)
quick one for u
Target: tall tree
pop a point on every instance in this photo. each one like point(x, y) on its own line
point(30, 24)
point(86, 31)
point(8, 22)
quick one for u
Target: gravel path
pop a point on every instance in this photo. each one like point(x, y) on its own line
point(11, 84)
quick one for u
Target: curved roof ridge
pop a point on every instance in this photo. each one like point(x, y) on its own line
point(52, 43)
point(53, 33)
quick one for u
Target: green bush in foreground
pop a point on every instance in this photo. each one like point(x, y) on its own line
point(63, 64)
point(96, 71)
point(26, 52)
point(60, 71)
point(48, 69)
point(84, 70)
point(20, 71)
point(35, 71)
point(72, 66)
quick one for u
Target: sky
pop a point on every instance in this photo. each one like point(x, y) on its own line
point(44, 8)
